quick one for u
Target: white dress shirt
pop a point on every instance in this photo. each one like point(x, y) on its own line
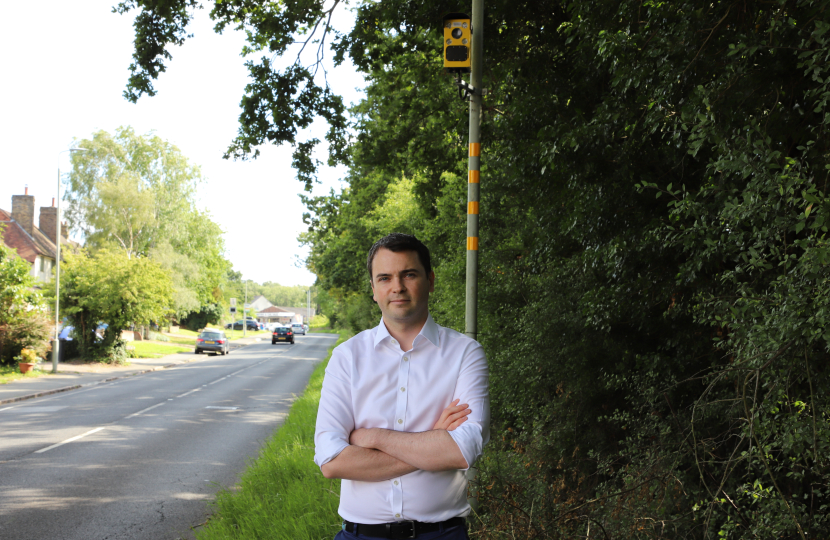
point(371, 383)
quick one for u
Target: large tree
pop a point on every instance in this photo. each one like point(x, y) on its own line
point(136, 193)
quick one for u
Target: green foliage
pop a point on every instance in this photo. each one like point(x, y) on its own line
point(110, 288)
point(23, 320)
point(208, 314)
point(137, 194)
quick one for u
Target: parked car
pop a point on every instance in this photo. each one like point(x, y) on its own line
point(282, 333)
point(213, 341)
point(66, 333)
point(251, 325)
point(298, 329)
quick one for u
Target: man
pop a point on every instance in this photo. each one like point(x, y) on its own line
point(404, 410)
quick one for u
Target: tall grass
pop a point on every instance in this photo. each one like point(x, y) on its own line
point(282, 495)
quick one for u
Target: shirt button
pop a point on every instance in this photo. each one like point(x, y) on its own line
point(397, 515)
point(394, 342)
point(406, 359)
point(403, 389)
point(396, 482)
point(400, 421)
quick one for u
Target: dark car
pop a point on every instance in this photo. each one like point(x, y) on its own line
point(213, 341)
point(282, 333)
point(252, 325)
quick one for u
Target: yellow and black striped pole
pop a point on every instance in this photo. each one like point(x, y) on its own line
point(474, 178)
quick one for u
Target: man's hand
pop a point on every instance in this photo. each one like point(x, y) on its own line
point(453, 416)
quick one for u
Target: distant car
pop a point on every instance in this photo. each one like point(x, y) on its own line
point(251, 325)
point(298, 329)
point(213, 341)
point(282, 333)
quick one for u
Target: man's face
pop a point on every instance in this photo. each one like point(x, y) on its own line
point(401, 286)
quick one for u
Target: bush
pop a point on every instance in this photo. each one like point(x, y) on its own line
point(28, 330)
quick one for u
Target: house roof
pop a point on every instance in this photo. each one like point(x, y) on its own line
point(27, 247)
point(272, 309)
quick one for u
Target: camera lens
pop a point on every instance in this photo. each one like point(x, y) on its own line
point(456, 33)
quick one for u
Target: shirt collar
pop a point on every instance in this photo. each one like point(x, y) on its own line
point(429, 331)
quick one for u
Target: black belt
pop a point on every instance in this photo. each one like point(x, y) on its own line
point(400, 529)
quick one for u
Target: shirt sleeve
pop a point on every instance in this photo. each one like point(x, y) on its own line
point(335, 420)
point(472, 388)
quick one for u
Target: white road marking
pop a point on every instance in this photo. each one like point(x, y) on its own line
point(221, 408)
point(42, 450)
point(145, 410)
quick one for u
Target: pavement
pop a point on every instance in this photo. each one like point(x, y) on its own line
point(71, 376)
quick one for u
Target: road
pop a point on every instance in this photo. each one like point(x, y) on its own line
point(140, 457)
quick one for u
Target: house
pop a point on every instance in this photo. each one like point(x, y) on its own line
point(34, 244)
point(266, 312)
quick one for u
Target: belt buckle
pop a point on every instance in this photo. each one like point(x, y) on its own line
point(401, 531)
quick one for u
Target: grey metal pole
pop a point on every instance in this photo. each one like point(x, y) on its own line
point(56, 345)
point(474, 175)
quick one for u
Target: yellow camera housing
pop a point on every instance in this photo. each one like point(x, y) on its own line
point(458, 42)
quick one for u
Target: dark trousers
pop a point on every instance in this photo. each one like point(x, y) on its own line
point(453, 533)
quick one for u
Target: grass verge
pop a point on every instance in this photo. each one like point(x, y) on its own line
point(12, 373)
point(150, 349)
point(282, 495)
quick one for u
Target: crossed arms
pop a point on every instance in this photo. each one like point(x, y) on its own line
point(375, 454)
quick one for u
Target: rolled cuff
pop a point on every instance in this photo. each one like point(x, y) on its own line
point(328, 447)
point(468, 437)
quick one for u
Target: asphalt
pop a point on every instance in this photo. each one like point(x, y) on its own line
point(73, 376)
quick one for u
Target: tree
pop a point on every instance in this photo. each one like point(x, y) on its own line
point(112, 289)
point(22, 313)
point(136, 193)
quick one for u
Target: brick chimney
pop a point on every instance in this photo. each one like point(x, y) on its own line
point(23, 211)
point(48, 221)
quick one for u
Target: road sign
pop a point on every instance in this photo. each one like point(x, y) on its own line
point(233, 302)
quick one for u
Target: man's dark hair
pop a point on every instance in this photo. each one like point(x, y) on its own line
point(400, 242)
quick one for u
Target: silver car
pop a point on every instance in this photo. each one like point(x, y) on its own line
point(214, 341)
point(298, 329)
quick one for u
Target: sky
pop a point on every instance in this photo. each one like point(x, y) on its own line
point(63, 80)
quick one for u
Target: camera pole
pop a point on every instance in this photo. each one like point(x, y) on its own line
point(474, 175)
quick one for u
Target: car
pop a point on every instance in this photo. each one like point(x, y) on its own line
point(282, 333)
point(298, 329)
point(251, 325)
point(214, 341)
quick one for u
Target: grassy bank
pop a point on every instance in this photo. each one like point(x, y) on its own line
point(282, 495)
